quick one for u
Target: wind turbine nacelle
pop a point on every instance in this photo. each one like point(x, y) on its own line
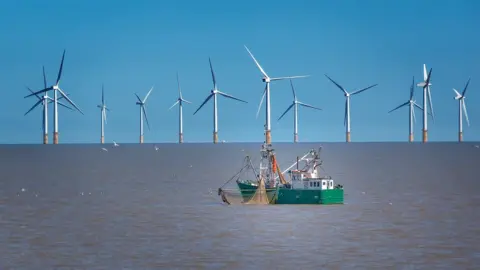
point(457, 97)
point(265, 79)
point(138, 103)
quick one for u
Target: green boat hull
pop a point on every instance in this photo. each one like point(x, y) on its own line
point(248, 188)
point(309, 196)
point(283, 195)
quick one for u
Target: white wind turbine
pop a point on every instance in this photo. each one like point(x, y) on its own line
point(347, 95)
point(45, 100)
point(294, 105)
point(103, 117)
point(143, 112)
point(180, 101)
point(426, 95)
point(55, 88)
point(213, 93)
point(461, 107)
point(266, 93)
point(411, 115)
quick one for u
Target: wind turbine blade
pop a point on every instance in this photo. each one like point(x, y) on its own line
point(456, 92)
point(338, 85)
point(412, 88)
point(399, 106)
point(465, 111)
point(308, 106)
point(425, 76)
point(346, 112)
point(364, 89)
point(288, 109)
point(63, 105)
point(261, 101)
point(107, 108)
point(103, 96)
point(205, 101)
point(145, 115)
point(427, 82)
point(39, 92)
point(430, 101)
point(61, 68)
point(139, 99)
point(173, 105)
point(418, 106)
point(33, 107)
point(148, 94)
point(256, 62)
point(34, 93)
point(289, 77)
point(293, 91)
point(413, 114)
point(231, 97)
point(69, 100)
point(179, 89)
point(104, 114)
point(186, 101)
point(44, 78)
point(213, 75)
point(465, 89)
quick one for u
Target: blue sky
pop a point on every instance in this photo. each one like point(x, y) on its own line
point(131, 45)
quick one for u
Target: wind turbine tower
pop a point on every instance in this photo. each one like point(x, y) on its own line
point(180, 101)
point(411, 115)
point(56, 88)
point(103, 117)
point(294, 105)
point(143, 112)
point(347, 95)
point(461, 108)
point(213, 93)
point(426, 96)
point(266, 93)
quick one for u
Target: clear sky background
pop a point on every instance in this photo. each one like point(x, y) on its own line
point(130, 46)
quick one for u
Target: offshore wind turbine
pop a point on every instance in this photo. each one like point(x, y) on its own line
point(143, 112)
point(426, 96)
point(44, 100)
point(213, 93)
point(180, 101)
point(461, 107)
point(56, 88)
point(103, 117)
point(347, 95)
point(411, 115)
point(294, 105)
point(266, 93)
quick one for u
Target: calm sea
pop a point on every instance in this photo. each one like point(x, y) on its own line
point(408, 206)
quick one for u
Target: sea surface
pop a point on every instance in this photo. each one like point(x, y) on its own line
point(407, 206)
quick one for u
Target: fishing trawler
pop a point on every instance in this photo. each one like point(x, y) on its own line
point(306, 185)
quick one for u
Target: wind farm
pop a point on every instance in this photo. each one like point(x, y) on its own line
point(425, 85)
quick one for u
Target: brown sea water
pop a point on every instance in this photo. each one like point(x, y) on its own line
point(408, 206)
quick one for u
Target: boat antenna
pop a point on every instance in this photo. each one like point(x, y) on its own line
point(297, 162)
